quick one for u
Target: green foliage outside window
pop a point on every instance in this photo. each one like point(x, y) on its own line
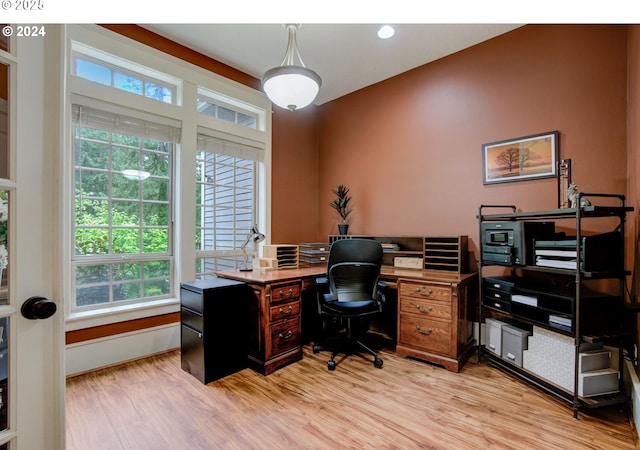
point(115, 215)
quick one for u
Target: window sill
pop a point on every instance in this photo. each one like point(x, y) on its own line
point(95, 318)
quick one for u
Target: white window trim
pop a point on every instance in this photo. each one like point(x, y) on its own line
point(191, 78)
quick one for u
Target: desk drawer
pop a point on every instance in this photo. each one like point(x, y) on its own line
point(277, 312)
point(425, 291)
point(426, 307)
point(285, 292)
point(425, 334)
point(285, 335)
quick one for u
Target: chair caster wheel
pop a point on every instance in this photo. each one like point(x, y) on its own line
point(331, 365)
point(377, 363)
point(316, 348)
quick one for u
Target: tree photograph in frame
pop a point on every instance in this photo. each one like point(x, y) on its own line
point(519, 159)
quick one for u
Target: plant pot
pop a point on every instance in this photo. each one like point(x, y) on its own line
point(343, 228)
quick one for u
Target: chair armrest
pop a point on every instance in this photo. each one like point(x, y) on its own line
point(381, 288)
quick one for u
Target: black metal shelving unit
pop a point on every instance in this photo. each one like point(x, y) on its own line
point(579, 292)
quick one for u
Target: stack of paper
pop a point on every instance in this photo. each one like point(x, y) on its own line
point(557, 263)
point(560, 254)
point(560, 320)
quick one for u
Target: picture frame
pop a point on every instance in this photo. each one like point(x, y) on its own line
point(520, 159)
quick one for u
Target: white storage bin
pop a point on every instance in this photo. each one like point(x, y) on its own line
point(493, 333)
point(514, 341)
point(594, 360)
point(598, 382)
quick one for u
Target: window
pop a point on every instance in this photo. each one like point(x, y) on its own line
point(226, 180)
point(224, 111)
point(123, 178)
point(136, 140)
point(101, 72)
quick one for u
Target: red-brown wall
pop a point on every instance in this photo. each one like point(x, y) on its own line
point(633, 154)
point(410, 147)
point(633, 120)
point(294, 195)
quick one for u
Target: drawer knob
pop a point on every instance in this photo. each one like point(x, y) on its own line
point(422, 292)
point(497, 305)
point(288, 311)
point(427, 310)
point(420, 330)
point(286, 294)
point(286, 335)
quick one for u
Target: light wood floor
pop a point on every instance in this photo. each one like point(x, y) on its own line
point(153, 404)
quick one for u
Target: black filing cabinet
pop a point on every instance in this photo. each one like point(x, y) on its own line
point(214, 317)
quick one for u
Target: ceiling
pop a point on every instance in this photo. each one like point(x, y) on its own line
point(348, 57)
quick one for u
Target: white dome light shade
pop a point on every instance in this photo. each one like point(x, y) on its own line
point(291, 87)
point(133, 174)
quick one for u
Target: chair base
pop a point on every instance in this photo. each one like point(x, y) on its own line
point(348, 345)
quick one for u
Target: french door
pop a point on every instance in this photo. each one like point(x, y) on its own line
point(31, 349)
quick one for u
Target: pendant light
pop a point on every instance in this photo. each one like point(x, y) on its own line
point(290, 85)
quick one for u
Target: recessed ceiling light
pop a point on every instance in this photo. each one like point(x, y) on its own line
point(386, 31)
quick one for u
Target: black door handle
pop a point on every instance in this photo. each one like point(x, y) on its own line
point(38, 308)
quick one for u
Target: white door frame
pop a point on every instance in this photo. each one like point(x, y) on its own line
point(36, 372)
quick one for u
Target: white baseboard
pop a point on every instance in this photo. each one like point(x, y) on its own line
point(97, 353)
point(632, 386)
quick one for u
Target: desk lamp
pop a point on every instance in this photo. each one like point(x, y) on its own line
point(254, 235)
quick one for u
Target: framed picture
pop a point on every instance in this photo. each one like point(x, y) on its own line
point(519, 159)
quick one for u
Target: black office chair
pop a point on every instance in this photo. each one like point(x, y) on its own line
point(350, 293)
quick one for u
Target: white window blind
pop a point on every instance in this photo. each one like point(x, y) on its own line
point(118, 123)
point(237, 149)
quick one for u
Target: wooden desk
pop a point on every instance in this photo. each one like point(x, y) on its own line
point(275, 330)
point(435, 314)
